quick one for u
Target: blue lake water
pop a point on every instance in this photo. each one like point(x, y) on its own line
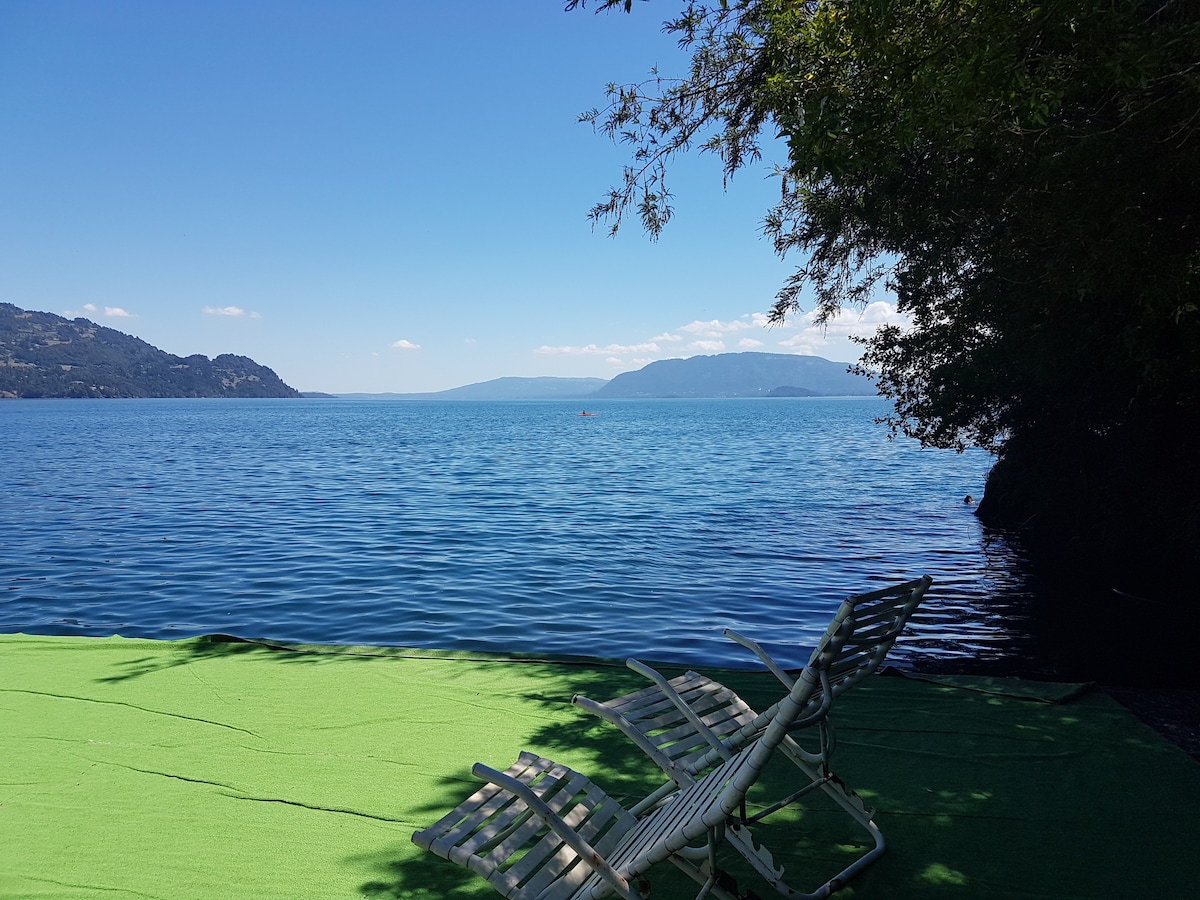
point(499, 526)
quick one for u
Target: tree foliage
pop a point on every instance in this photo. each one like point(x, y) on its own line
point(1023, 176)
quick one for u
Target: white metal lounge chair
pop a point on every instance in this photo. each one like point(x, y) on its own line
point(541, 831)
point(691, 723)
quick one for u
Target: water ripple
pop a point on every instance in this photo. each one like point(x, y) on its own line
point(492, 526)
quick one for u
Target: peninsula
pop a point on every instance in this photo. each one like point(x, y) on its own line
point(44, 355)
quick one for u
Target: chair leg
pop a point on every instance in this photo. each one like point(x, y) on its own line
point(842, 795)
point(739, 836)
point(708, 877)
point(760, 858)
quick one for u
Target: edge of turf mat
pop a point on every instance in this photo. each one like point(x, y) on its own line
point(1011, 687)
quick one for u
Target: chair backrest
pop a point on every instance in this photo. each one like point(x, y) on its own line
point(809, 700)
point(854, 645)
point(874, 620)
point(708, 803)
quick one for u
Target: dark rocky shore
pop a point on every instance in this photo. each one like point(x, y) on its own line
point(1173, 713)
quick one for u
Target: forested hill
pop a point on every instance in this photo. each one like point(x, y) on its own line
point(44, 355)
point(740, 375)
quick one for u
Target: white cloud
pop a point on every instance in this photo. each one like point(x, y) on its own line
point(859, 322)
point(113, 312)
point(807, 343)
point(716, 327)
point(868, 321)
point(405, 345)
point(595, 350)
point(817, 340)
point(796, 334)
point(232, 311)
point(706, 337)
point(637, 363)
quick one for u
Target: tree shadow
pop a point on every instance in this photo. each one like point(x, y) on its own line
point(399, 874)
point(209, 646)
point(184, 653)
point(212, 646)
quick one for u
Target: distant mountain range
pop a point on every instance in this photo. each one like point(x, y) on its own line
point(546, 388)
point(740, 375)
point(724, 375)
point(44, 355)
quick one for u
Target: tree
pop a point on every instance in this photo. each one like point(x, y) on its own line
point(1025, 178)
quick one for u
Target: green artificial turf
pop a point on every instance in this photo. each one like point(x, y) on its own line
point(222, 768)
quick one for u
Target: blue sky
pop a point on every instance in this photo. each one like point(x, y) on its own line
point(366, 196)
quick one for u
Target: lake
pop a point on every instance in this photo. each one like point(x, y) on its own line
point(496, 526)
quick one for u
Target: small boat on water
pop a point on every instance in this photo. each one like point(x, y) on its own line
point(586, 413)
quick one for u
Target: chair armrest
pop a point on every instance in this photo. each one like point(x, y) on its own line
point(762, 654)
point(630, 731)
point(568, 834)
point(690, 714)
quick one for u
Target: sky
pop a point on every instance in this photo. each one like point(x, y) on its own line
point(369, 196)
